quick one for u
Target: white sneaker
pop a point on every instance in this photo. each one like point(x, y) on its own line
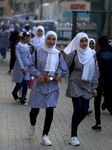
point(46, 140)
point(26, 104)
point(74, 141)
point(31, 130)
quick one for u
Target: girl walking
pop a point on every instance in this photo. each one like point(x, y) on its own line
point(21, 74)
point(83, 80)
point(50, 68)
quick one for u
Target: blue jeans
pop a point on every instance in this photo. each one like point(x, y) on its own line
point(24, 84)
point(80, 107)
point(3, 52)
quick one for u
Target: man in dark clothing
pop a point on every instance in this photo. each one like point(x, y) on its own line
point(13, 40)
point(104, 57)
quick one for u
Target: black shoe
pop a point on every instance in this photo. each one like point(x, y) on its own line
point(89, 111)
point(9, 72)
point(103, 106)
point(97, 127)
point(15, 96)
point(23, 101)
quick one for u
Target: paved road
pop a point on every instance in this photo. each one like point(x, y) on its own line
point(14, 122)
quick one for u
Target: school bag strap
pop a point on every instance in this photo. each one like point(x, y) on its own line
point(36, 58)
point(72, 64)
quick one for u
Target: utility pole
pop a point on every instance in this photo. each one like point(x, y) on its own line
point(41, 9)
point(108, 18)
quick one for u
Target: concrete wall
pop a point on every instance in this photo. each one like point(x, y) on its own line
point(63, 11)
point(51, 11)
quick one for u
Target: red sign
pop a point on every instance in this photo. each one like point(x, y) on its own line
point(78, 6)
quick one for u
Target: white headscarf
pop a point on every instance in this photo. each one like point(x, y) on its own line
point(85, 56)
point(11, 29)
point(38, 41)
point(91, 39)
point(53, 55)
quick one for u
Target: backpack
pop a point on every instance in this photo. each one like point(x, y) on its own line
point(36, 58)
point(72, 65)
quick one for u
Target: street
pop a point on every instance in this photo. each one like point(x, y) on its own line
point(14, 122)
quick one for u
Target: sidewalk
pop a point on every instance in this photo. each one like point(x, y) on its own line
point(14, 122)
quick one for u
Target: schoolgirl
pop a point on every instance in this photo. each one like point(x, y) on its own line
point(51, 67)
point(38, 39)
point(21, 74)
point(83, 80)
point(92, 43)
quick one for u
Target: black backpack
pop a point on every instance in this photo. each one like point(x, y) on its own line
point(72, 65)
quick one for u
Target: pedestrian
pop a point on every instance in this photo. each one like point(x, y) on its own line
point(4, 41)
point(92, 44)
point(36, 43)
point(50, 68)
point(38, 40)
point(20, 91)
point(27, 28)
point(34, 28)
point(104, 57)
point(13, 41)
point(11, 29)
point(21, 74)
point(82, 81)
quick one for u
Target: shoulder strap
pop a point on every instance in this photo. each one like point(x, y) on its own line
point(59, 55)
point(36, 58)
point(72, 65)
point(74, 56)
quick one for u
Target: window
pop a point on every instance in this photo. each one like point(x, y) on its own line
point(31, 6)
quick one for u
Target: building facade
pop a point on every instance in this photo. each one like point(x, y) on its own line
point(23, 9)
point(5, 10)
point(63, 11)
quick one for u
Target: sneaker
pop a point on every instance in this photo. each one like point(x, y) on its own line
point(23, 101)
point(103, 106)
point(97, 127)
point(74, 141)
point(26, 104)
point(89, 111)
point(15, 96)
point(9, 72)
point(46, 141)
point(31, 130)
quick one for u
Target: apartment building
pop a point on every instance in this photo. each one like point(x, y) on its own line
point(23, 9)
point(4, 8)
